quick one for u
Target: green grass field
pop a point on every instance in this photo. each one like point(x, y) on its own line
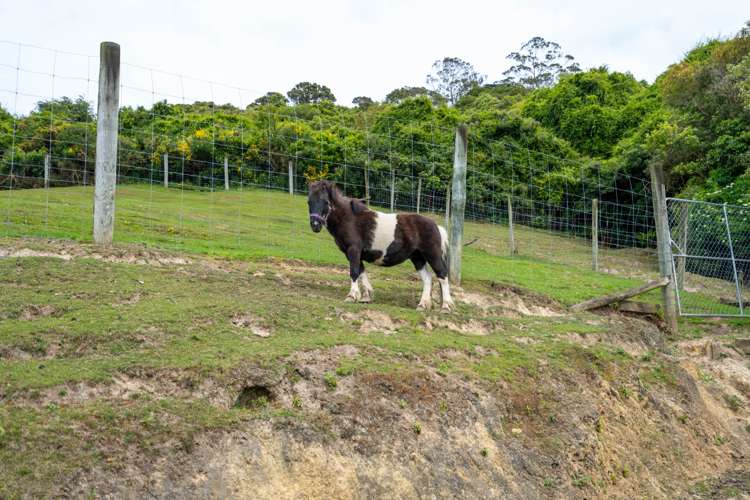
point(257, 224)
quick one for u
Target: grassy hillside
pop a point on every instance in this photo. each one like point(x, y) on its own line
point(255, 224)
point(116, 362)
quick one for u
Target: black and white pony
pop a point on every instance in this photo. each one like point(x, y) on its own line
point(381, 238)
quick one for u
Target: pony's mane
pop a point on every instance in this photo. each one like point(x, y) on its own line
point(357, 205)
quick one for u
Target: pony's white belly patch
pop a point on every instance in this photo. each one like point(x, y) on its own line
point(383, 234)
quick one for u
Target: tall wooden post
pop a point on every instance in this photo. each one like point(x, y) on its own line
point(226, 174)
point(663, 244)
point(166, 170)
point(511, 236)
point(106, 142)
point(595, 234)
point(458, 192)
point(419, 192)
point(291, 177)
point(46, 170)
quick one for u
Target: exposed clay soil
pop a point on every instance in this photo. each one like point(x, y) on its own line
point(422, 434)
point(372, 321)
point(251, 323)
point(508, 301)
point(67, 250)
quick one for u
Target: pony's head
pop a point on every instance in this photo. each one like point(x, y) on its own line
point(320, 202)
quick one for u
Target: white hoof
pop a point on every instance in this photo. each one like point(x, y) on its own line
point(424, 305)
point(366, 298)
point(448, 307)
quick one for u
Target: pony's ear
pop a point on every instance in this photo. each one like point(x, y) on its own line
point(329, 189)
point(358, 206)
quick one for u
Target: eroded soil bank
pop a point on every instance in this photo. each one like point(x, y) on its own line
point(140, 374)
point(667, 432)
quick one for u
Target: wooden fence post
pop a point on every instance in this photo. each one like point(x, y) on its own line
point(166, 170)
point(511, 236)
point(595, 234)
point(226, 174)
point(458, 192)
point(419, 192)
point(663, 244)
point(106, 142)
point(682, 243)
point(46, 170)
point(291, 177)
point(393, 189)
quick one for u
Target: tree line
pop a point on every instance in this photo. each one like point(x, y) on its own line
point(694, 120)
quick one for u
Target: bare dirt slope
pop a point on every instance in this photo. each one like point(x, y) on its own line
point(429, 435)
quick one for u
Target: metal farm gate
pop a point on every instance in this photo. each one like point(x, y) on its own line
point(710, 257)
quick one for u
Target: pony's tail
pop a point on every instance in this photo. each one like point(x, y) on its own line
point(444, 244)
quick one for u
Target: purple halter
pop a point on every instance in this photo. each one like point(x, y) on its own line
point(318, 218)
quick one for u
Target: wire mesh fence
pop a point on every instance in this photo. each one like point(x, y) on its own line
point(197, 175)
point(711, 257)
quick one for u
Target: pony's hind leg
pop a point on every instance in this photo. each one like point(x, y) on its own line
point(441, 270)
point(368, 293)
point(355, 269)
point(420, 264)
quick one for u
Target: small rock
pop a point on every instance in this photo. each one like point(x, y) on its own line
point(516, 431)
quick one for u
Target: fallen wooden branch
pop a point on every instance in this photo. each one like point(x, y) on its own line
point(619, 296)
point(638, 307)
point(471, 242)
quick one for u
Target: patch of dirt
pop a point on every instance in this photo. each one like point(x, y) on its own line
point(472, 327)
point(283, 279)
point(525, 340)
point(371, 321)
point(33, 312)
point(733, 484)
point(132, 300)
point(634, 335)
point(155, 384)
point(723, 376)
point(508, 301)
point(301, 267)
point(67, 250)
point(27, 252)
point(252, 323)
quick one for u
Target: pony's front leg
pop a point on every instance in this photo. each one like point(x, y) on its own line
point(355, 265)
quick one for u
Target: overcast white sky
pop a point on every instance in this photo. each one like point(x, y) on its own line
point(354, 47)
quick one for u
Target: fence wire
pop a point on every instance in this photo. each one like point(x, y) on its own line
point(711, 257)
point(197, 175)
